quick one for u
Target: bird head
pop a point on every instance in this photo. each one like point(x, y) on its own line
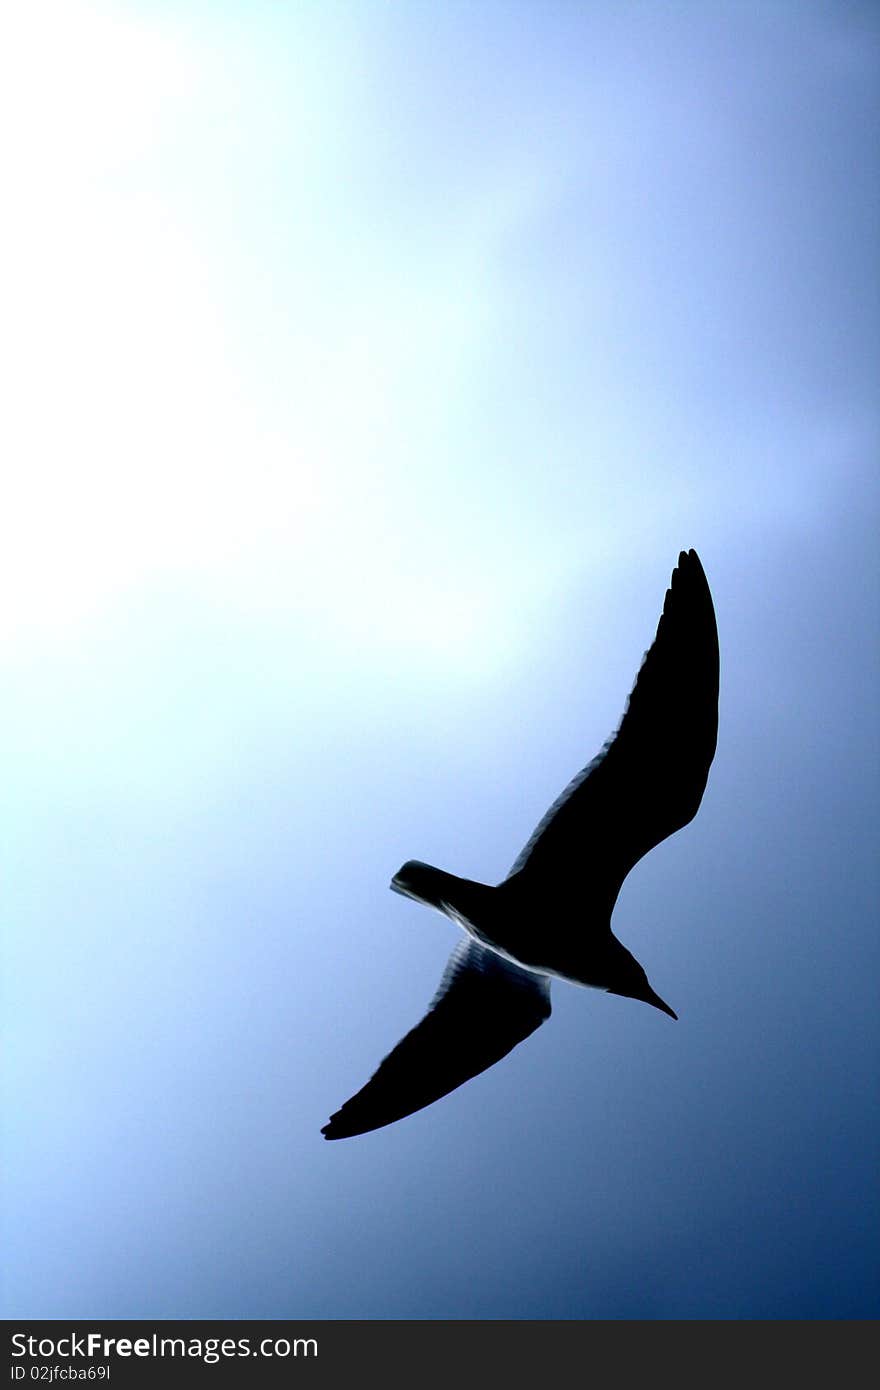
point(628, 979)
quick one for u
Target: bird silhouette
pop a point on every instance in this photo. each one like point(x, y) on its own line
point(551, 916)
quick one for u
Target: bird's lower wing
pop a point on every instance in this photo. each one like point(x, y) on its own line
point(482, 1009)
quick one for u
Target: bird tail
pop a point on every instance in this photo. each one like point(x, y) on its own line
point(456, 897)
point(422, 882)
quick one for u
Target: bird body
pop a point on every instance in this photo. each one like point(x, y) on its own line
point(503, 919)
point(551, 916)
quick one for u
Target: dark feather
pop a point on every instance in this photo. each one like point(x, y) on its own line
point(649, 779)
point(482, 1009)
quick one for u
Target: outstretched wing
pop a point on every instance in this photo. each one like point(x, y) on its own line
point(482, 1009)
point(649, 779)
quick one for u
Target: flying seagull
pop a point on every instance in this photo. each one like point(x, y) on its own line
point(551, 916)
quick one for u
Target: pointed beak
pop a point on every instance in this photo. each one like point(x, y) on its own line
point(646, 995)
point(652, 998)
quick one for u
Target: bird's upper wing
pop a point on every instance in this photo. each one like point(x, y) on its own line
point(484, 1006)
point(649, 779)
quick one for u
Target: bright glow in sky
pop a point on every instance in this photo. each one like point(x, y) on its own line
point(178, 409)
point(366, 369)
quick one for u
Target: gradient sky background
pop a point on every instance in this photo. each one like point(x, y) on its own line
point(369, 366)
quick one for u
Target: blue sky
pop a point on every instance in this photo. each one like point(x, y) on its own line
point(369, 366)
